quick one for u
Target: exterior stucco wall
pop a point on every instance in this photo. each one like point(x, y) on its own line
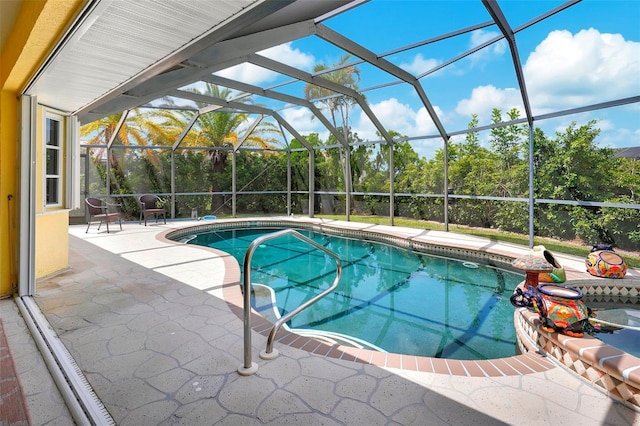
point(38, 27)
point(52, 242)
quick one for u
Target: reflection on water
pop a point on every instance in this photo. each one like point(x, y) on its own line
point(618, 327)
point(401, 301)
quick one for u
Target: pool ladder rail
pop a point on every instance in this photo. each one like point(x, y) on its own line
point(248, 367)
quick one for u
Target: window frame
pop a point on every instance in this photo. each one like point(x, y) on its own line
point(58, 151)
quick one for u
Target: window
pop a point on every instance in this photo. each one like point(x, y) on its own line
point(53, 159)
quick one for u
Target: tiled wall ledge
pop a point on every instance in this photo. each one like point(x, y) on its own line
point(617, 373)
point(599, 291)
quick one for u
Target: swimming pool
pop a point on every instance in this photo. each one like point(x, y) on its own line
point(395, 299)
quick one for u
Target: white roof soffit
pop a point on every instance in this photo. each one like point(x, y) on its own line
point(286, 23)
point(117, 40)
point(116, 45)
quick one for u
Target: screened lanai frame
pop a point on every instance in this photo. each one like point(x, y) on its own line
point(238, 51)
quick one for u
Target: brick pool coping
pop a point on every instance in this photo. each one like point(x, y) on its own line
point(553, 349)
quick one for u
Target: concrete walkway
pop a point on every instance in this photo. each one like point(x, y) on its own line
point(145, 323)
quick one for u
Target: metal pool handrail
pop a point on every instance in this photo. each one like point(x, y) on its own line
point(250, 367)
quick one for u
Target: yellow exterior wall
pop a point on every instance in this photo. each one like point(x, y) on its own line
point(52, 223)
point(38, 27)
point(52, 233)
point(8, 216)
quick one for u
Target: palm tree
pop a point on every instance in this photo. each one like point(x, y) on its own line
point(345, 75)
point(216, 130)
point(136, 130)
point(348, 76)
point(139, 129)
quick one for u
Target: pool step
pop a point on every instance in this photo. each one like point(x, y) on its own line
point(265, 305)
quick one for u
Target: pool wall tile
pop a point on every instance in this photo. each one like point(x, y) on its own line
point(379, 358)
point(286, 338)
point(504, 367)
point(595, 355)
point(537, 361)
point(619, 364)
point(593, 360)
point(335, 352)
point(365, 356)
point(489, 368)
point(346, 356)
point(517, 365)
point(323, 349)
point(310, 345)
point(352, 353)
point(581, 345)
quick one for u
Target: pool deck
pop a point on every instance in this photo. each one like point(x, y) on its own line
point(156, 329)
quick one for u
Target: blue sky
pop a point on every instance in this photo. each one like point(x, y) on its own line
point(586, 54)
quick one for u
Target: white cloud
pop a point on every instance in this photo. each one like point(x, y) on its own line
point(424, 124)
point(420, 65)
point(392, 114)
point(485, 98)
point(398, 117)
point(567, 70)
point(481, 36)
point(248, 73)
point(486, 54)
point(616, 137)
point(292, 57)
point(252, 74)
point(303, 121)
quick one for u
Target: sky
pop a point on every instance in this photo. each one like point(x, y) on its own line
point(586, 54)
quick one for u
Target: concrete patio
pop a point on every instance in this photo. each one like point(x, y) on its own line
point(146, 323)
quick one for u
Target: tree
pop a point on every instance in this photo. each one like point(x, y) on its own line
point(509, 144)
point(338, 105)
point(218, 132)
point(573, 167)
point(139, 129)
point(471, 172)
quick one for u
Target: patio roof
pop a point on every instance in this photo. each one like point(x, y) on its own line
point(631, 152)
point(122, 55)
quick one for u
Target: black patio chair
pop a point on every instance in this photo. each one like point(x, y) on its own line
point(151, 205)
point(100, 210)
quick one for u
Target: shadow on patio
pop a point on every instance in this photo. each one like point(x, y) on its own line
point(158, 349)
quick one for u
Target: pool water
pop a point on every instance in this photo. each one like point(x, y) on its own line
point(626, 337)
point(395, 299)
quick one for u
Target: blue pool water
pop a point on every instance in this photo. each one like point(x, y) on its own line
point(627, 336)
point(395, 299)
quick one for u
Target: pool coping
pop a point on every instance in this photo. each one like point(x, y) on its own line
point(532, 360)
